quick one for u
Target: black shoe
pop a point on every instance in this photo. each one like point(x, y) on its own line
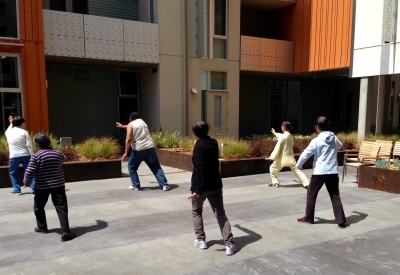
point(276, 185)
point(343, 225)
point(306, 187)
point(39, 230)
point(67, 237)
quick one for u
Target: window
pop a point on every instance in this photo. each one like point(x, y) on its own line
point(219, 28)
point(285, 103)
point(217, 115)
point(10, 88)
point(129, 96)
point(75, 6)
point(218, 81)
point(9, 19)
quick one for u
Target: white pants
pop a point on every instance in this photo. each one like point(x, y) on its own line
point(274, 171)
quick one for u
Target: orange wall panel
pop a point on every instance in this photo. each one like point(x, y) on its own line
point(33, 64)
point(320, 30)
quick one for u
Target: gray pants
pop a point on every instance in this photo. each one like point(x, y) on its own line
point(217, 205)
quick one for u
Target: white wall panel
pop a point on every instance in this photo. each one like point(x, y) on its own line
point(141, 42)
point(63, 34)
point(368, 23)
point(104, 38)
point(367, 62)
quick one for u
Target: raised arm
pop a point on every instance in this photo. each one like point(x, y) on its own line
point(120, 125)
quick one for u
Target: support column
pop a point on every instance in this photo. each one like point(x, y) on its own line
point(363, 127)
point(380, 105)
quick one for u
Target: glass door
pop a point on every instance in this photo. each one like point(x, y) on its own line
point(217, 113)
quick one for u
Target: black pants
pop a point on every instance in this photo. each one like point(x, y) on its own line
point(332, 185)
point(59, 199)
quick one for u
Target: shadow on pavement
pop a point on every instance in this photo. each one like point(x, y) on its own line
point(350, 219)
point(157, 187)
point(81, 230)
point(241, 241)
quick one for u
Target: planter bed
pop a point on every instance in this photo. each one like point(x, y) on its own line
point(75, 171)
point(379, 179)
point(228, 168)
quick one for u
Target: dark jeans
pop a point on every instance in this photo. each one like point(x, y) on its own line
point(149, 156)
point(59, 199)
point(14, 164)
point(216, 201)
point(332, 185)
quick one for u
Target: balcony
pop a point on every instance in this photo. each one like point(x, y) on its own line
point(266, 55)
point(96, 37)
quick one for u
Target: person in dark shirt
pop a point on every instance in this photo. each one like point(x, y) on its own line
point(46, 167)
point(207, 184)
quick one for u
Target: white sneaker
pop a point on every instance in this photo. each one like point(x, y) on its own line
point(134, 188)
point(230, 250)
point(166, 188)
point(201, 244)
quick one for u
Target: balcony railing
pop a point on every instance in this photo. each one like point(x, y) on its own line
point(266, 55)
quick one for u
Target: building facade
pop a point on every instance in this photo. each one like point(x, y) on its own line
point(75, 67)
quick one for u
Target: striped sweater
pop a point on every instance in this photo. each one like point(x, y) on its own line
point(46, 167)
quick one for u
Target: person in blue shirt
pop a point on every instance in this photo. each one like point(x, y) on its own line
point(324, 148)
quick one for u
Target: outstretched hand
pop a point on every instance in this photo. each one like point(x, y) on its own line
point(10, 119)
point(273, 131)
point(119, 125)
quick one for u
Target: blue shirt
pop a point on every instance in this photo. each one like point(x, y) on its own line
point(324, 148)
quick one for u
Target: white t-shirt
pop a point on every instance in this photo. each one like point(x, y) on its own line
point(19, 142)
point(141, 136)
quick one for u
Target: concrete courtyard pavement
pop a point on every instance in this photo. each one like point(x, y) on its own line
point(121, 231)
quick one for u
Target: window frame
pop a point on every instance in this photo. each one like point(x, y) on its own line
point(18, 25)
point(212, 29)
point(19, 71)
point(209, 81)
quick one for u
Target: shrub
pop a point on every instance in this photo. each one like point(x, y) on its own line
point(261, 147)
point(70, 152)
point(4, 153)
point(158, 138)
point(172, 140)
point(349, 140)
point(235, 150)
point(186, 144)
point(300, 143)
point(383, 164)
point(396, 162)
point(93, 148)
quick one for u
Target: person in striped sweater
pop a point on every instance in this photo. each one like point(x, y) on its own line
point(46, 167)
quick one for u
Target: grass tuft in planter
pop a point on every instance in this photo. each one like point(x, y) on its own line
point(94, 148)
point(4, 154)
point(235, 150)
point(158, 138)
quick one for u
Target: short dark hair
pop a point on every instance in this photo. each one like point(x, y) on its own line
point(322, 123)
point(18, 120)
point(288, 126)
point(200, 129)
point(134, 116)
point(42, 141)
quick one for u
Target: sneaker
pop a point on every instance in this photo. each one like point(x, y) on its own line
point(134, 188)
point(15, 193)
point(40, 230)
point(201, 244)
point(230, 250)
point(166, 187)
point(273, 185)
point(67, 237)
point(306, 187)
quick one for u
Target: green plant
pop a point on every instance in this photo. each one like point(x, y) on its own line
point(172, 140)
point(261, 147)
point(94, 148)
point(158, 138)
point(396, 162)
point(87, 148)
point(349, 140)
point(4, 153)
point(235, 150)
point(186, 144)
point(383, 164)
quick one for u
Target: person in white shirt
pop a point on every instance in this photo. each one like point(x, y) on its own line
point(138, 138)
point(21, 150)
point(283, 156)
